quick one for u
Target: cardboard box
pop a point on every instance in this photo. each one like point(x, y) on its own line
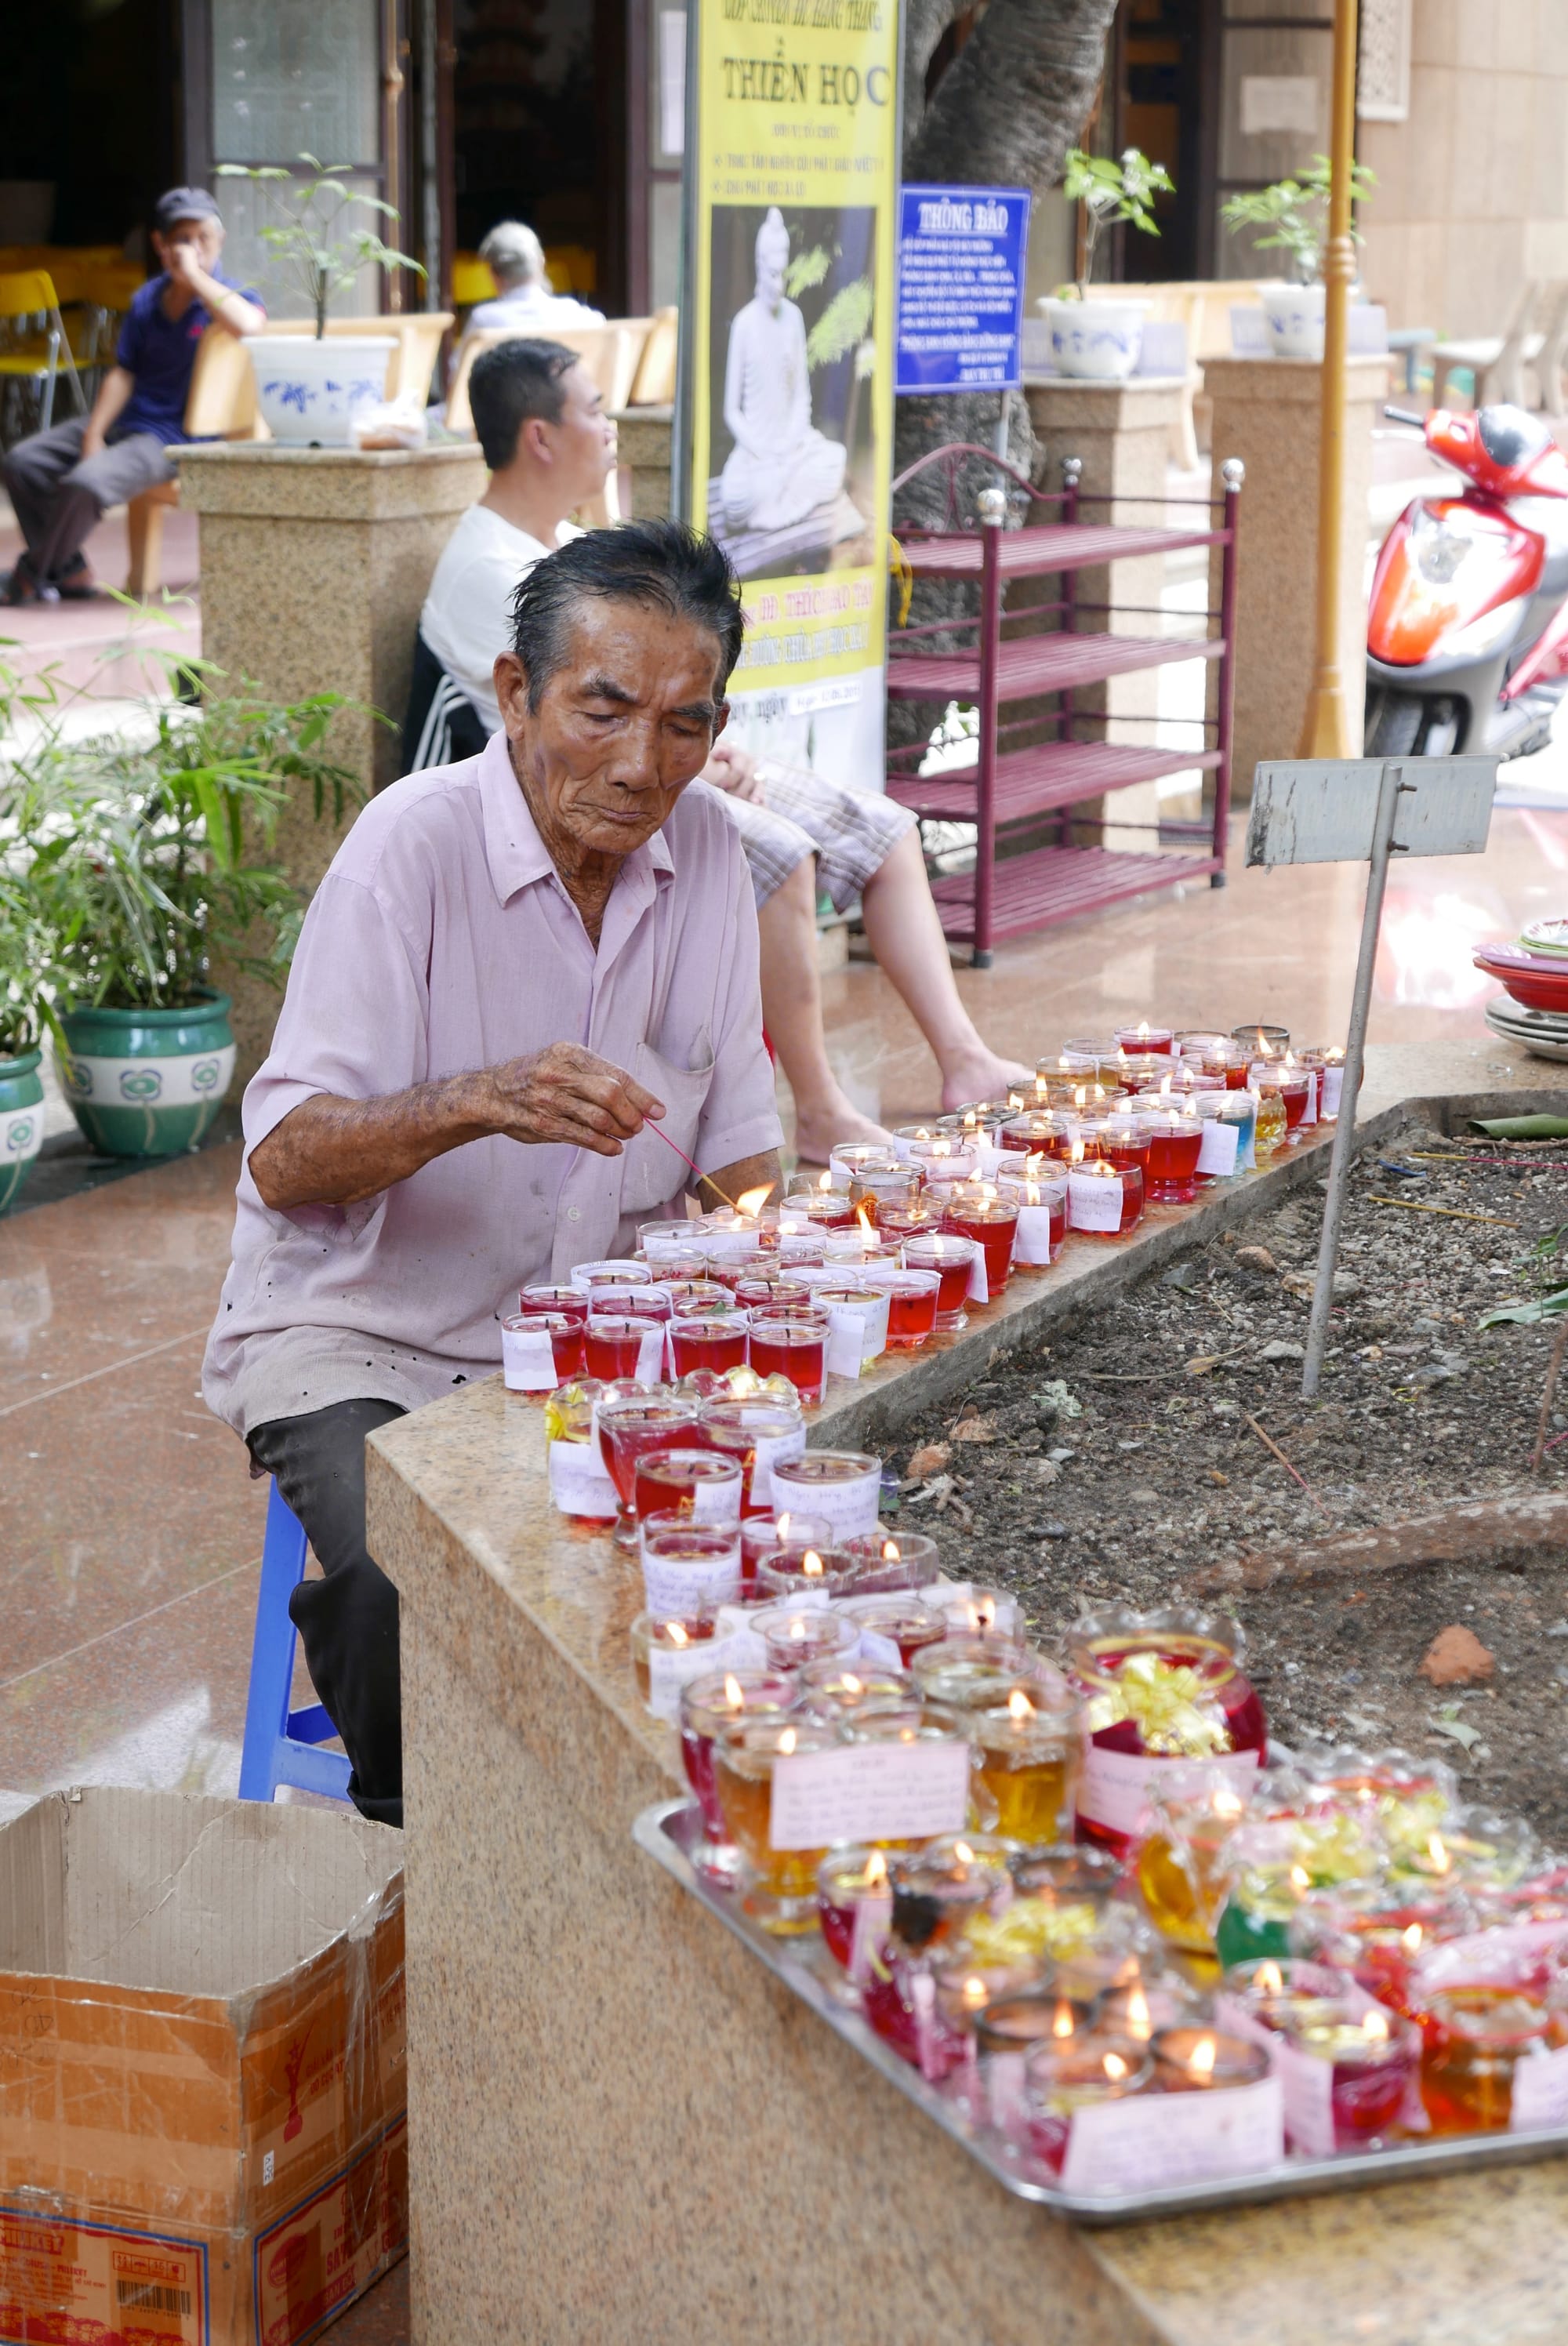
point(202, 2081)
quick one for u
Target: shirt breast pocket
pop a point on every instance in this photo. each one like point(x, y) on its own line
point(652, 1172)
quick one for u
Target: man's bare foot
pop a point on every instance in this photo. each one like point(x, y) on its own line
point(982, 1077)
point(818, 1133)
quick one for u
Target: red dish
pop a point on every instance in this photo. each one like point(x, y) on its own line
point(1534, 981)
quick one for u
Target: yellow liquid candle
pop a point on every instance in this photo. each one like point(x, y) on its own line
point(782, 1895)
point(1181, 1868)
point(1026, 1763)
point(1473, 2040)
point(1270, 1134)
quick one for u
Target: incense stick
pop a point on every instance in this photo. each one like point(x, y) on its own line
point(649, 1126)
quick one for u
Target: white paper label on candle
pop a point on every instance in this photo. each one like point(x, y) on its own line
point(875, 1648)
point(669, 1668)
point(715, 1502)
point(1003, 2074)
point(578, 1482)
point(1540, 2091)
point(987, 1155)
point(1115, 1787)
point(849, 1506)
point(838, 1175)
point(1153, 2139)
point(1094, 1202)
point(1032, 1243)
point(677, 1585)
point(1305, 2082)
point(622, 1267)
point(874, 1912)
point(1217, 1152)
point(528, 1359)
point(773, 1449)
point(845, 1342)
point(1310, 1116)
point(979, 1287)
point(868, 1791)
point(650, 1357)
point(731, 1246)
point(1333, 1087)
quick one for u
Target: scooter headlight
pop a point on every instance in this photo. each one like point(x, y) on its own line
point(1438, 548)
point(1488, 633)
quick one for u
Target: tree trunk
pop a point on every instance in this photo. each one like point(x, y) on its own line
point(1003, 115)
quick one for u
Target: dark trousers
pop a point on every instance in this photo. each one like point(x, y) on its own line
point(58, 497)
point(348, 1620)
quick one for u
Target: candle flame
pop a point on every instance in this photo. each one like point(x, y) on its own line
point(864, 1216)
point(1076, 1150)
point(850, 1683)
point(1139, 2024)
point(1203, 2056)
point(733, 1696)
point(1142, 1030)
point(922, 1134)
point(1031, 1192)
point(962, 1853)
point(1015, 1102)
point(1439, 1855)
point(891, 1552)
point(1063, 2023)
point(1290, 1058)
point(1411, 1938)
point(969, 1120)
point(1375, 2028)
point(781, 1524)
point(1019, 1707)
point(787, 1741)
point(942, 1147)
point(1042, 1087)
point(1299, 1877)
point(675, 1634)
point(1115, 2068)
point(751, 1201)
point(985, 1613)
point(1078, 1096)
point(876, 1869)
point(1263, 1050)
point(826, 1182)
point(1270, 1979)
point(975, 1991)
point(811, 1564)
point(1226, 1803)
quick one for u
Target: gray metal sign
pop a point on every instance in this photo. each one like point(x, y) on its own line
point(1325, 810)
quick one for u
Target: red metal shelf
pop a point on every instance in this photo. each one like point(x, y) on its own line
point(1049, 775)
point(1057, 545)
point(1056, 883)
point(1029, 665)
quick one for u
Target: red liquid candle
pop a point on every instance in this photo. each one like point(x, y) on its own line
point(992, 1222)
point(792, 1348)
point(891, 1183)
point(775, 1295)
point(697, 1483)
point(593, 1278)
point(629, 1429)
point(1127, 1667)
point(911, 1308)
point(1374, 2056)
point(707, 1705)
point(765, 1535)
point(1174, 1139)
point(650, 1301)
point(717, 1342)
point(900, 1219)
point(533, 1300)
point(899, 1616)
point(1042, 1201)
point(805, 1572)
point(739, 1429)
point(847, 1879)
point(613, 1344)
point(952, 1258)
point(1145, 1037)
point(1040, 1132)
point(566, 1349)
point(692, 1298)
point(825, 1209)
point(1219, 1054)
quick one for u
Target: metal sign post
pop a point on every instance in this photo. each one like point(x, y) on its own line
point(1344, 810)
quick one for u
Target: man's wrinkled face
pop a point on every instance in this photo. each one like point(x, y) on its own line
point(624, 724)
point(203, 237)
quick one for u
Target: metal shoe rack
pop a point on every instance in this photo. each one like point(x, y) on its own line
point(1021, 794)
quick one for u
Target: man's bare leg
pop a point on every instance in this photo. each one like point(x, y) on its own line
point(905, 935)
point(792, 1014)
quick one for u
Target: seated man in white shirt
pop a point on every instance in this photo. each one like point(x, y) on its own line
point(550, 446)
point(524, 303)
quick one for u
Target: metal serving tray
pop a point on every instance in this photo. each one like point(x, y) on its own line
point(666, 1832)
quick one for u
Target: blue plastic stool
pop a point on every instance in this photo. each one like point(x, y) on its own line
point(282, 1745)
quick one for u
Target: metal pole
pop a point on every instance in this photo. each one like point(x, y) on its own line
point(1233, 472)
point(999, 439)
point(992, 506)
point(1325, 732)
point(1390, 786)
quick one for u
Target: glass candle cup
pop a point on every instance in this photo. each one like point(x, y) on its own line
point(903, 1218)
point(845, 1485)
point(896, 1621)
point(762, 1535)
point(540, 1350)
point(707, 1704)
point(1040, 1195)
point(911, 1308)
point(1097, 1056)
point(1145, 1037)
point(886, 1181)
point(1077, 2072)
point(1175, 1138)
point(838, 1689)
point(1196, 2059)
point(854, 1905)
point(822, 1210)
point(668, 1652)
point(781, 1889)
point(1039, 1132)
point(1026, 1766)
point(613, 1346)
point(1275, 1040)
point(1181, 1866)
point(1142, 1071)
point(888, 1560)
point(1103, 1201)
point(796, 1347)
point(1271, 1125)
point(967, 1673)
point(848, 1158)
point(793, 1634)
point(701, 1484)
point(987, 1215)
point(1226, 1121)
point(755, 1433)
point(1159, 1685)
point(715, 1341)
point(593, 1278)
point(953, 1260)
point(773, 1294)
point(943, 1158)
point(1373, 2058)
point(971, 1610)
point(572, 1300)
point(630, 1427)
point(687, 1567)
point(1473, 2040)
point(805, 1575)
point(1292, 1083)
point(650, 1300)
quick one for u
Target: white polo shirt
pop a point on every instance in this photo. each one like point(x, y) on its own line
point(468, 609)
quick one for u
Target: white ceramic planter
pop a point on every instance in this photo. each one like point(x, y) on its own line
point(1096, 341)
point(309, 392)
point(1293, 315)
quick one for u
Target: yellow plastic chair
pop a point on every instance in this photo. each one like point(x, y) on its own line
point(33, 340)
point(471, 280)
point(653, 385)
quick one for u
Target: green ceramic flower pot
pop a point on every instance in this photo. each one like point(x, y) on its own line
point(148, 1083)
point(20, 1121)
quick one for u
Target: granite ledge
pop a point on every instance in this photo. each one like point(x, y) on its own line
point(261, 480)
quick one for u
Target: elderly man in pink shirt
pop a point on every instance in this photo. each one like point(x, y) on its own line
point(513, 969)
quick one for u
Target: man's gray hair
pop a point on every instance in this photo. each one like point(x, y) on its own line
point(515, 255)
point(662, 564)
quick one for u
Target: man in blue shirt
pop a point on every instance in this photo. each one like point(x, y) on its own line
point(61, 481)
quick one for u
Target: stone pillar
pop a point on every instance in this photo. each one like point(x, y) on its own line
point(1121, 433)
point(314, 564)
point(645, 437)
point(1265, 411)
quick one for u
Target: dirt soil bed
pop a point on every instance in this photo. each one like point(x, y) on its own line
point(1118, 1464)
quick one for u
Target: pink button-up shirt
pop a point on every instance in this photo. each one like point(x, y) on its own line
point(442, 940)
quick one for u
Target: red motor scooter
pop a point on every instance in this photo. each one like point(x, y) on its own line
point(1467, 635)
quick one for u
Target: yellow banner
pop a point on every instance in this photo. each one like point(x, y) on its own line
point(794, 160)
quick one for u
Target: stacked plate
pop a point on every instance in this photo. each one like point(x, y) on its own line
point(1542, 1032)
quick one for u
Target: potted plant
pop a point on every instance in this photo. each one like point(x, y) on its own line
point(146, 860)
point(23, 957)
point(1292, 216)
point(309, 391)
point(1098, 337)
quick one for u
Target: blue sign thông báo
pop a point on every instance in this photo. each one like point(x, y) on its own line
point(961, 288)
